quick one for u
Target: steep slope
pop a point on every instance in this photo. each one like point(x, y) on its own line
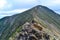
point(43, 15)
point(32, 31)
point(9, 25)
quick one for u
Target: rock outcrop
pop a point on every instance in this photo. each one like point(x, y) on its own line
point(32, 31)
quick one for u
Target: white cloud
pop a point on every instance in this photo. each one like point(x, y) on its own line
point(2, 3)
point(56, 1)
point(7, 7)
point(58, 12)
point(12, 11)
point(51, 2)
point(26, 2)
point(1, 16)
point(9, 13)
point(5, 4)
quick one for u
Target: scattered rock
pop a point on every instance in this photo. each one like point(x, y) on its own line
point(29, 33)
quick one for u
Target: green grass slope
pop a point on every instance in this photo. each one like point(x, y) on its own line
point(8, 25)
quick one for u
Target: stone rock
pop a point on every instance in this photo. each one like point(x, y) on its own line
point(29, 33)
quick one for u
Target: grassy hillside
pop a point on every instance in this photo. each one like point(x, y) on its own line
point(8, 25)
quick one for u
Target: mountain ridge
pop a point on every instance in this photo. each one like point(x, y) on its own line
point(41, 14)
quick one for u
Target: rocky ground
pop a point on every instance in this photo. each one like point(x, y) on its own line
point(32, 31)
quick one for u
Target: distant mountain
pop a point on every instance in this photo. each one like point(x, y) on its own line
point(47, 18)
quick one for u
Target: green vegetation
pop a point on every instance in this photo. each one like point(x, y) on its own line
point(12, 24)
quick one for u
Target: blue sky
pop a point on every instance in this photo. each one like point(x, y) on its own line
point(11, 7)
